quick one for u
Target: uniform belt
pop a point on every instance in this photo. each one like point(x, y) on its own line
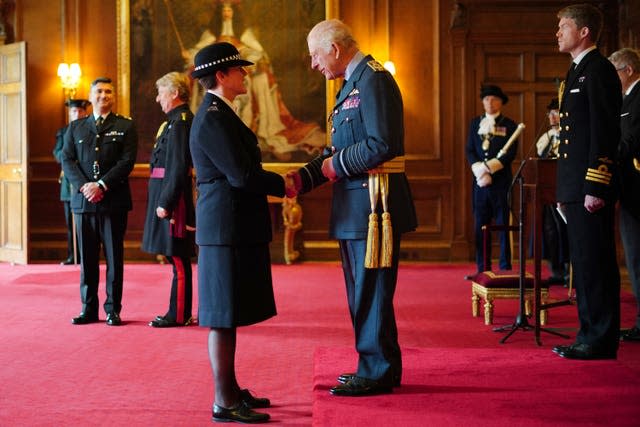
point(395, 165)
point(159, 172)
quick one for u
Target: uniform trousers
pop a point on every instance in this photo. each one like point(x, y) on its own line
point(106, 230)
point(68, 218)
point(370, 295)
point(630, 235)
point(181, 289)
point(592, 250)
point(489, 203)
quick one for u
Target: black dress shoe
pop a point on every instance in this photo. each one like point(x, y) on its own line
point(84, 319)
point(252, 401)
point(585, 352)
point(240, 413)
point(632, 334)
point(359, 386)
point(561, 348)
point(346, 377)
point(68, 261)
point(113, 319)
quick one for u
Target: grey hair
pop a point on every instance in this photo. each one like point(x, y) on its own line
point(626, 56)
point(324, 33)
point(176, 81)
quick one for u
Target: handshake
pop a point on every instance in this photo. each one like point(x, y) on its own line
point(483, 171)
point(293, 181)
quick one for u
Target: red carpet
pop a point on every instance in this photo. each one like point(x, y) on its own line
point(53, 373)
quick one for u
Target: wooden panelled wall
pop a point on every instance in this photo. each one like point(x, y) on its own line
point(443, 51)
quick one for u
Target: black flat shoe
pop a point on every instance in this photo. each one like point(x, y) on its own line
point(346, 377)
point(240, 413)
point(113, 319)
point(68, 261)
point(584, 352)
point(84, 319)
point(361, 387)
point(632, 334)
point(252, 401)
point(167, 322)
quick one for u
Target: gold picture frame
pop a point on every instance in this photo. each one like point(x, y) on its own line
point(153, 36)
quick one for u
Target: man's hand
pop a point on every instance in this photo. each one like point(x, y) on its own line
point(593, 203)
point(327, 169)
point(92, 192)
point(484, 180)
point(161, 212)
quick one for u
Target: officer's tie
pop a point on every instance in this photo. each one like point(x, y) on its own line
point(99, 122)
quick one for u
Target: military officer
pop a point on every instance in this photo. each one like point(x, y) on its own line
point(365, 165)
point(170, 220)
point(487, 136)
point(627, 64)
point(98, 155)
point(586, 191)
point(77, 109)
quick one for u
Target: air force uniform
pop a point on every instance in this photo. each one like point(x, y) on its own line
point(367, 131)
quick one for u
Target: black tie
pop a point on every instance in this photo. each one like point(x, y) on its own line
point(99, 121)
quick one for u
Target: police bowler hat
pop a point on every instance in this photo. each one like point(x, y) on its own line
point(216, 56)
point(78, 103)
point(487, 90)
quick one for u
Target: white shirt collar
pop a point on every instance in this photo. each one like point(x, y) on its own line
point(578, 58)
point(226, 101)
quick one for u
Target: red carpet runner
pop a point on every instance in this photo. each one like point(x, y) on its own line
point(456, 373)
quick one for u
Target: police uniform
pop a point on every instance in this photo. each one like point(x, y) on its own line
point(107, 155)
point(491, 201)
point(589, 135)
point(170, 188)
point(629, 160)
point(233, 220)
point(367, 131)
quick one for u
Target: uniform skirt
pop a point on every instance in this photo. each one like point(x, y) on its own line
point(234, 285)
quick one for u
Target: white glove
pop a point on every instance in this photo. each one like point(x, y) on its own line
point(484, 180)
point(494, 165)
point(479, 169)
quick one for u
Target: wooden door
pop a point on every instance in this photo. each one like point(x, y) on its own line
point(13, 154)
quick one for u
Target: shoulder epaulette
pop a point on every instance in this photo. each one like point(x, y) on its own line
point(183, 115)
point(375, 65)
point(123, 117)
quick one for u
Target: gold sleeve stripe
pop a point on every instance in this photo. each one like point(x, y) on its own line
point(597, 176)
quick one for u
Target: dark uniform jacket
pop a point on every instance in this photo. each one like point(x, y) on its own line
point(504, 128)
point(108, 156)
point(173, 191)
point(590, 133)
point(232, 186)
point(367, 131)
point(628, 150)
point(65, 185)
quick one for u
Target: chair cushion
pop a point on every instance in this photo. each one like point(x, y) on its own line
point(504, 280)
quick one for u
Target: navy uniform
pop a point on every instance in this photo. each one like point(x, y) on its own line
point(629, 160)
point(105, 156)
point(491, 201)
point(367, 131)
point(170, 187)
point(589, 135)
point(233, 220)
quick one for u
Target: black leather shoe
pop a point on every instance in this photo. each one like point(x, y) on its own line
point(561, 348)
point(113, 319)
point(632, 334)
point(585, 352)
point(68, 261)
point(346, 377)
point(252, 401)
point(359, 386)
point(84, 319)
point(240, 413)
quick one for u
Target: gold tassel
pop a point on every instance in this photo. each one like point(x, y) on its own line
point(371, 256)
point(386, 248)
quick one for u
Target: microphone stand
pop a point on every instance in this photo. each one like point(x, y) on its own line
point(520, 321)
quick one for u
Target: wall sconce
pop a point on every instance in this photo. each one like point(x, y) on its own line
point(70, 77)
point(391, 67)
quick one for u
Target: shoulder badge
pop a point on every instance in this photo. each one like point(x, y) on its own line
point(375, 65)
point(213, 107)
point(184, 116)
